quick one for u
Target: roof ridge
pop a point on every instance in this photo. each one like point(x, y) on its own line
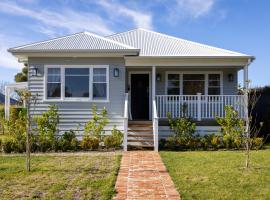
point(181, 39)
point(109, 40)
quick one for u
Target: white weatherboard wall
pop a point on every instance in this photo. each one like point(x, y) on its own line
point(74, 115)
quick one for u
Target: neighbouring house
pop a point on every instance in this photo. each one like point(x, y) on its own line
point(139, 76)
point(12, 101)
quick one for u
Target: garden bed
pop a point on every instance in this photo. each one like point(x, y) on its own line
point(219, 174)
point(59, 176)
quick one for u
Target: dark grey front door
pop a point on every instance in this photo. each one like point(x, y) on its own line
point(140, 96)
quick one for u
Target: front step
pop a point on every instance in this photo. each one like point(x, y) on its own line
point(140, 135)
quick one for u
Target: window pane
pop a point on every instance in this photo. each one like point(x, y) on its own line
point(193, 87)
point(99, 90)
point(173, 91)
point(77, 86)
point(173, 83)
point(77, 71)
point(173, 77)
point(99, 71)
point(214, 91)
point(53, 90)
point(189, 77)
point(99, 78)
point(53, 71)
point(213, 83)
point(54, 78)
point(214, 77)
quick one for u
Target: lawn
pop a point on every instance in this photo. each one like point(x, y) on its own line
point(219, 174)
point(59, 176)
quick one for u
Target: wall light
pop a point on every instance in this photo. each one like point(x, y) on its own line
point(230, 77)
point(158, 77)
point(33, 71)
point(116, 72)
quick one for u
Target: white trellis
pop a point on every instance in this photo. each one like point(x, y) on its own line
point(9, 88)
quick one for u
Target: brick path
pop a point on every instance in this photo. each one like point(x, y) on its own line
point(143, 175)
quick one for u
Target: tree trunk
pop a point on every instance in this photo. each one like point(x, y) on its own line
point(247, 154)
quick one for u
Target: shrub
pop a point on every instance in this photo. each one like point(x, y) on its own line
point(90, 143)
point(47, 127)
point(232, 128)
point(170, 143)
point(257, 143)
point(9, 145)
point(215, 141)
point(66, 139)
point(115, 140)
point(96, 125)
point(183, 128)
point(75, 144)
point(109, 141)
point(162, 143)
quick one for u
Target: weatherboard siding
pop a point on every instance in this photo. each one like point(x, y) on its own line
point(74, 115)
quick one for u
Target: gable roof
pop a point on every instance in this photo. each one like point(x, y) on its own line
point(153, 43)
point(79, 42)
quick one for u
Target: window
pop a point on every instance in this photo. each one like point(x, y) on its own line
point(54, 83)
point(99, 83)
point(76, 82)
point(173, 85)
point(193, 84)
point(214, 84)
point(73, 83)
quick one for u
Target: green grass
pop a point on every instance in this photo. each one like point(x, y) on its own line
point(59, 176)
point(219, 174)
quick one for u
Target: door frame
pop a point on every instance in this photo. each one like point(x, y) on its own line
point(150, 89)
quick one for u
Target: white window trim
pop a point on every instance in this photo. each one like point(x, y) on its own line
point(206, 73)
point(76, 99)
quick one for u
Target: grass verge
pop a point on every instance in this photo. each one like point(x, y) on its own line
point(59, 176)
point(219, 174)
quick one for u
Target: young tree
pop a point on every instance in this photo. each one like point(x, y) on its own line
point(251, 97)
point(29, 100)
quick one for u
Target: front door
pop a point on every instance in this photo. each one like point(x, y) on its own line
point(139, 96)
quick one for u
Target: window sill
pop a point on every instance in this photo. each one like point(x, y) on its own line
point(76, 100)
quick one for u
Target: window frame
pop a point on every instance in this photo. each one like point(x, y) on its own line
point(206, 75)
point(76, 99)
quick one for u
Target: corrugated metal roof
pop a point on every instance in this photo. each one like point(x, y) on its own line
point(83, 41)
point(153, 43)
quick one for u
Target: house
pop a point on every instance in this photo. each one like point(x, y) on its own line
point(12, 101)
point(139, 76)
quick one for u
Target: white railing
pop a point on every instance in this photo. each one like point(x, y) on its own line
point(125, 122)
point(198, 106)
point(155, 125)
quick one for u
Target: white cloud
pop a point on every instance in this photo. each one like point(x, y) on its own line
point(140, 19)
point(194, 8)
point(66, 18)
point(6, 59)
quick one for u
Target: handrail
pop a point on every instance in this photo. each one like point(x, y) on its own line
point(155, 125)
point(198, 106)
point(125, 122)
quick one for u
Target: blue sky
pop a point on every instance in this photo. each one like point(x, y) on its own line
point(239, 25)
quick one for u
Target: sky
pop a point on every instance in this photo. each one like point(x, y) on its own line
point(238, 25)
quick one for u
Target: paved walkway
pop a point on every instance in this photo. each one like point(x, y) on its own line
point(143, 175)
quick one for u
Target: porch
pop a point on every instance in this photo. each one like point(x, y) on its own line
point(200, 94)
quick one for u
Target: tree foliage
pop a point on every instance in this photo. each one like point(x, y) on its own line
point(22, 76)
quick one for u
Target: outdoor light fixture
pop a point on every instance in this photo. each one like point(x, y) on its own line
point(230, 77)
point(33, 71)
point(158, 77)
point(116, 72)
